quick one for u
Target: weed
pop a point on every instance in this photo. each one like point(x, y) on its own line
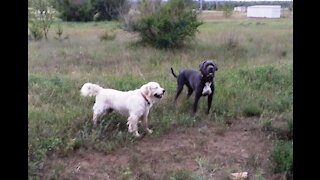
point(231, 40)
point(252, 110)
point(254, 161)
point(126, 174)
point(107, 35)
point(282, 156)
point(259, 175)
point(266, 125)
point(206, 167)
point(59, 33)
point(290, 128)
point(35, 32)
point(181, 174)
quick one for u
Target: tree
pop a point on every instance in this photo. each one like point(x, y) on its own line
point(88, 10)
point(227, 9)
point(40, 16)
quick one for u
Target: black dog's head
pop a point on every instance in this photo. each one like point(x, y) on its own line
point(208, 68)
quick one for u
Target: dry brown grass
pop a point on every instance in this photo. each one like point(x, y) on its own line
point(208, 16)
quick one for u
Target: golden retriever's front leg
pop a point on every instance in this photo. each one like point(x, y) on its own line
point(145, 121)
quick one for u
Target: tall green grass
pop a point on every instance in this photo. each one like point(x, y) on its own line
point(254, 78)
point(282, 156)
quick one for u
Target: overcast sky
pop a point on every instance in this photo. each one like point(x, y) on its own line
point(243, 0)
point(233, 0)
point(247, 0)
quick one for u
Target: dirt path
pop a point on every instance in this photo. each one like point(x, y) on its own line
point(208, 151)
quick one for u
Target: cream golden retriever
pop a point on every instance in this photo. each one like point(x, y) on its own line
point(134, 104)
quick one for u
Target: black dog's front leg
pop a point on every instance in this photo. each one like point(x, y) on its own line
point(210, 97)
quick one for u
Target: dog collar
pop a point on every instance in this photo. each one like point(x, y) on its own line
point(145, 98)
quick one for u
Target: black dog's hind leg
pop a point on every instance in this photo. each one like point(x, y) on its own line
point(179, 90)
point(180, 84)
point(190, 91)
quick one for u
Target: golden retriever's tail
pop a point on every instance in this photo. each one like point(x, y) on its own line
point(89, 89)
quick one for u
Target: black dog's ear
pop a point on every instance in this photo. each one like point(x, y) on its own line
point(201, 66)
point(216, 66)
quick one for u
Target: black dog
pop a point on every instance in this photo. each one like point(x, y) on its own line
point(201, 82)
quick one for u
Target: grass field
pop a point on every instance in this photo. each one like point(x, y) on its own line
point(255, 78)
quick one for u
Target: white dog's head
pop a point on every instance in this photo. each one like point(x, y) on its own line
point(152, 90)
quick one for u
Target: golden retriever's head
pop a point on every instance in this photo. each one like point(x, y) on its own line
point(153, 89)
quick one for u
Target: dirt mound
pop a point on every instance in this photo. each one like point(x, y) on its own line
point(209, 150)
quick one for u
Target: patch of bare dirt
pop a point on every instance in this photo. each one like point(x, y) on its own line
point(209, 150)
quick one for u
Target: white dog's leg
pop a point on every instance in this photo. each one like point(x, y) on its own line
point(98, 110)
point(133, 125)
point(145, 120)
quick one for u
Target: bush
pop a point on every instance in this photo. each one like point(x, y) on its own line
point(107, 36)
point(174, 24)
point(35, 31)
point(71, 10)
point(59, 33)
point(131, 17)
point(252, 110)
point(88, 10)
point(181, 174)
point(282, 156)
point(40, 17)
point(227, 9)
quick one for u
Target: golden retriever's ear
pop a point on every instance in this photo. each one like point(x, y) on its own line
point(146, 90)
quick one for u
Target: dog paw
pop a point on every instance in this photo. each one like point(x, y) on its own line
point(136, 134)
point(150, 131)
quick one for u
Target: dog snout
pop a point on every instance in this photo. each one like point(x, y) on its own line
point(163, 91)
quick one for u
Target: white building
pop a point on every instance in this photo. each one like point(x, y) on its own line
point(240, 9)
point(264, 11)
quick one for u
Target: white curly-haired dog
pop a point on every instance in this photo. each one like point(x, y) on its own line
point(134, 104)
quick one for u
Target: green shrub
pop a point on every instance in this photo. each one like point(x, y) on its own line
point(72, 10)
point(181, 174)
point(40, 17)
point(170, 27)
point(59, 33)
point(75, 11)
point(35, 32)
point(107, 36)
point(282, 156)
point(145, 8)
point(227, 9)
point(252, 110)
point(290, 128)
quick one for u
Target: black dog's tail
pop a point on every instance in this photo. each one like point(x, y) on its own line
point(173, 73)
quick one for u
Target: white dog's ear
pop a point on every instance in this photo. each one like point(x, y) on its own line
point(146, 90)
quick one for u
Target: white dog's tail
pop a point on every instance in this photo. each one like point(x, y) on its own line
point(89, 89)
